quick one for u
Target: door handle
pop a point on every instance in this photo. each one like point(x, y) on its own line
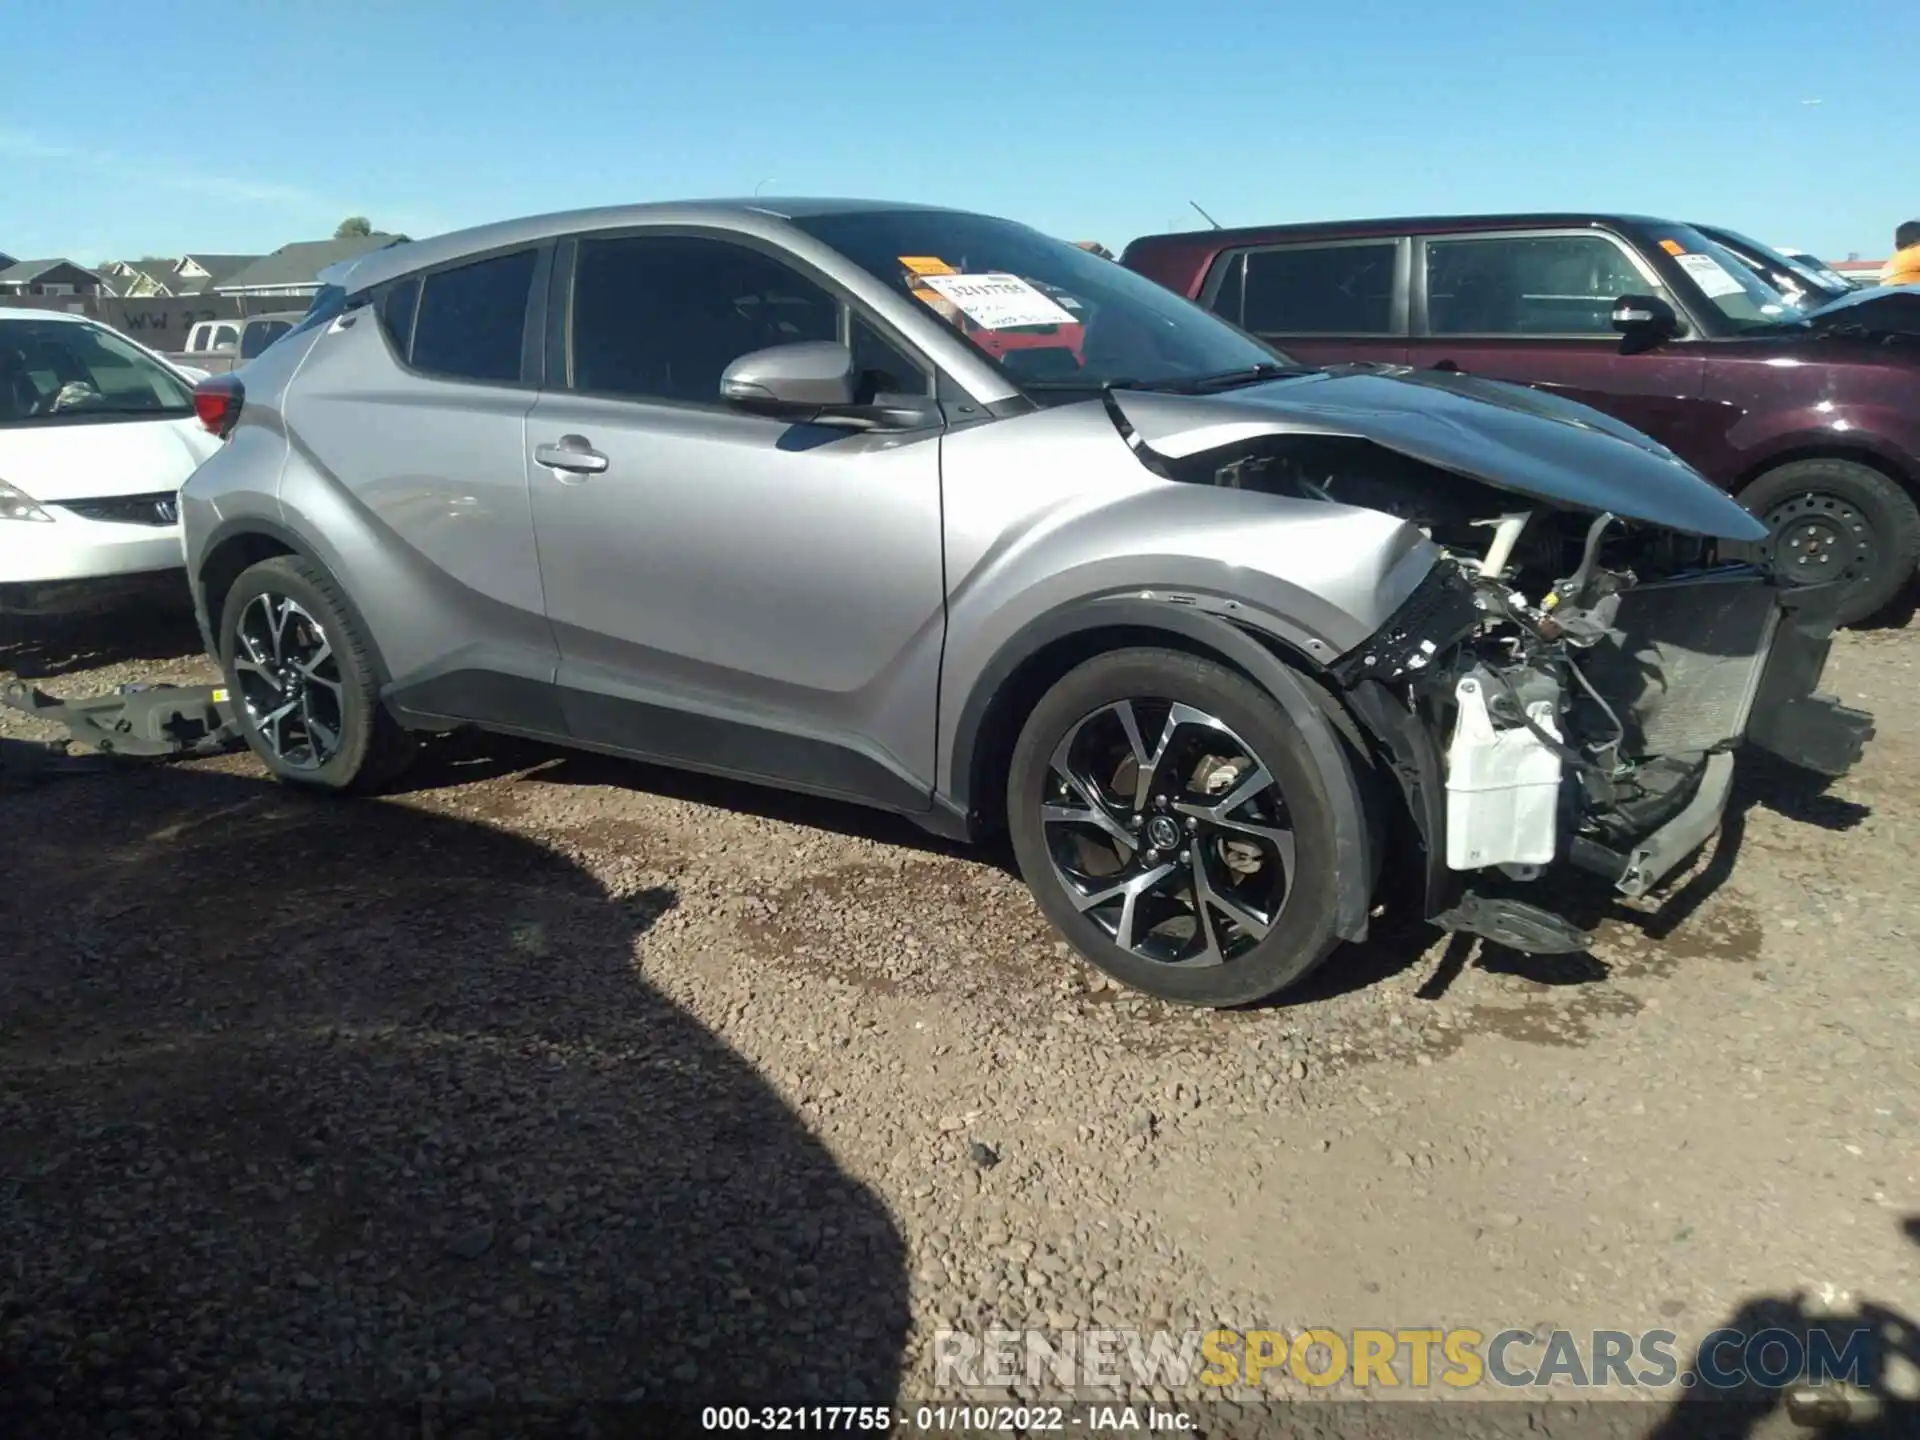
point(571, 453)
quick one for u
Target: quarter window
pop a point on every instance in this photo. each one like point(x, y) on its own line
point(1527, 285)
point(472, 320)
point(395, 304)
point(661, 317)
point(1320, 290)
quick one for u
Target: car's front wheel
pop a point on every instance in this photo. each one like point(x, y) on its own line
point(302, 680)
point(1837, 520)
point(1174, 827)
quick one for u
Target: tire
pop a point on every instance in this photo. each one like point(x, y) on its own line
point(1221, 963)
point(1836, 519)
point(341, 699)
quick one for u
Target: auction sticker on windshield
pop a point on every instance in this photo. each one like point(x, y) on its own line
point(1709, 274)
point(998, 302)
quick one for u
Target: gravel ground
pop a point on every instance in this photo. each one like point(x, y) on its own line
point(555, 1077)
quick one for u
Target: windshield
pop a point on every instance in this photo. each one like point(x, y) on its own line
point(1776, 265)
point(55, 371)
point(1051, 316)
point(1744, 301)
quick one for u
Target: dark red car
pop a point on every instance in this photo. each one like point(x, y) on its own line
point(1810, 417)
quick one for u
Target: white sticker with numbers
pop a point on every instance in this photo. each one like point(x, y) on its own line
point(998, 302)
point(1710, 275)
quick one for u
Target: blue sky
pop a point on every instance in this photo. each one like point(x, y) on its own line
point(242, 128)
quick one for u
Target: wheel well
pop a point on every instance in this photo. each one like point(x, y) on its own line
point(1868, 458)
point(230, 559)
point(1015, 698)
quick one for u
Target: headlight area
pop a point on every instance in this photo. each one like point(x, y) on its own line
point(16, 504)
point(1590, 719)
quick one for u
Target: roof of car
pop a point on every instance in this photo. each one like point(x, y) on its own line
point(1397, 224)
point(379, 265)
point(23, 312)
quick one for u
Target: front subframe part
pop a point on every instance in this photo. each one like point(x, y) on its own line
point(1789, 719)
point(148, 722)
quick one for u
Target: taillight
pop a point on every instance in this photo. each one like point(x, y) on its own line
point(217, 401)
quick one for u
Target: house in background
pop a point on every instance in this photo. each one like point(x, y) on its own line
point(139, 279)
point(49, 277)
point(5, 260)
point(1861, 272)
point(293, 271)
point(198, 274)
point(159, 277)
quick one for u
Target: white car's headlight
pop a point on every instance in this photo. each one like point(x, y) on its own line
point(16, 504)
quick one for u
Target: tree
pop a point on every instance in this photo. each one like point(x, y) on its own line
point(353, 227)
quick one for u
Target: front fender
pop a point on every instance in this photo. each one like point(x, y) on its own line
point(1353, 859)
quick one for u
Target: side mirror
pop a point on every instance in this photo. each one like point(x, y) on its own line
point(1644, 320)
point(814, 382)
point(790, 379)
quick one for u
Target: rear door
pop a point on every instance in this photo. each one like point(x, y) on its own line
point(732, 592)
point(1325, 302)
point(414, 410)
point(1537, 307)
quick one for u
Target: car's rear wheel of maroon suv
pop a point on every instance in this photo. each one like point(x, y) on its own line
point(1839, 520)
point(303, 683)
point(1174, 827)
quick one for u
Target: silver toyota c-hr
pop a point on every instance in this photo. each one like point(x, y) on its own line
point(926, 510)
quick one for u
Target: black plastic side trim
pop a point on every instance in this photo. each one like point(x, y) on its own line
point(492, 697)
point(477, 695)
point(1352, 858)
point(736, 748)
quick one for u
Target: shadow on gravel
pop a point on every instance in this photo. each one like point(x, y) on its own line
point(306, 1102)
point(1757, 1365)
point(151, 627)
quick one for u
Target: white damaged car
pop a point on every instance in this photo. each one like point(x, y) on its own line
point(97, 434)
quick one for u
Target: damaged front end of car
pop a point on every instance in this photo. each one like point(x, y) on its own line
point(1570, 685)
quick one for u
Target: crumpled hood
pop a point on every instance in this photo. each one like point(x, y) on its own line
point(1528, 441)
point(1881, 310)
point(91, 460)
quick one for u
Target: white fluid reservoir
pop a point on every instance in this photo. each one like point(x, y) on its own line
point(1503, 786)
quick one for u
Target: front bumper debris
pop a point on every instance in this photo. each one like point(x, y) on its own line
point(135, 722)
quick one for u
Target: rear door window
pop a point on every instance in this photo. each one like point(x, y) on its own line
point(1527, 285)
point(472, 319)
point(1343, 289)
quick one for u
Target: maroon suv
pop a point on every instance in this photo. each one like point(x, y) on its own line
point(1811, 417)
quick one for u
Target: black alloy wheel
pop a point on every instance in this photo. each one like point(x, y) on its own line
point(289, 681)
point(1167, 831)
point(1177, 828)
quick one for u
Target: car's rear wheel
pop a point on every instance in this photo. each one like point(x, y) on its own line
point(1838, 520)
point(302, 682)
point(1174, 827)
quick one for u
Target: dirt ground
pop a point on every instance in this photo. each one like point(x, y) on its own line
point(558, 1077)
